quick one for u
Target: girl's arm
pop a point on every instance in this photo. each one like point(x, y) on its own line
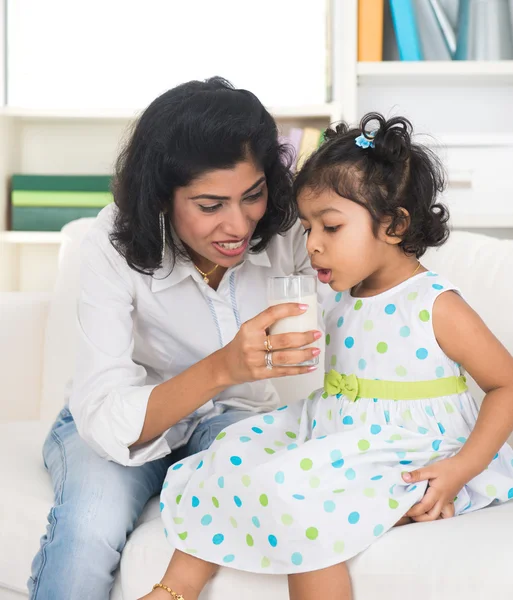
point(464, 337)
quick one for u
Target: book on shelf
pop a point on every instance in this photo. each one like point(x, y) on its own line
point(438, 30)
point(63, 183)
point(47, 218)
point(432, 40)
point(406, 31)
point(370, 30)
point(302, 142)
point(48, 202)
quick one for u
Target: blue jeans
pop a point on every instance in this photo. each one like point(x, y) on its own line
point(97, 504)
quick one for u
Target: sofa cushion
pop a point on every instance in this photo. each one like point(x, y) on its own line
point(482, 267)
point(466, 557)
point(61, 329)
point(26, 498)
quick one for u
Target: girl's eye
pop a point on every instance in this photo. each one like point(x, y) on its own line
point(307, 232)
point(254, 197)
point(331, 229)
point(209, 209)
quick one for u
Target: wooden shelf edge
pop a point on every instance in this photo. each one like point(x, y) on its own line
point(473, 221)
point(31, 237)
point(447, 72)
point(312, 111)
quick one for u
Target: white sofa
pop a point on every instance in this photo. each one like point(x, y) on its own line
point(469, 557)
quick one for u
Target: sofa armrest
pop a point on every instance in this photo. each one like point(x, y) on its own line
point(22, 328)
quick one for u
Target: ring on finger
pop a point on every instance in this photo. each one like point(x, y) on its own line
point(269, 360)
point(267, 344)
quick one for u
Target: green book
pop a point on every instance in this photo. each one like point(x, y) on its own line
point(60, 198)
point(63, 183)
point(30, 218)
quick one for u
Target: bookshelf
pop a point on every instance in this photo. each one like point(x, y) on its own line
point(452, 73)
point(464, 106)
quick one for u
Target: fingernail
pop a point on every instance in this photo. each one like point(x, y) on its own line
point(406, 475)
point(303, 306)
point(315, 351)
point(314, 368)
point(317, 335)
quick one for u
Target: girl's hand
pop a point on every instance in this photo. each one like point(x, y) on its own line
point(446, 478)
point(244, 357)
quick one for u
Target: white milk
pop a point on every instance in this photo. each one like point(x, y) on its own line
point(300, 323)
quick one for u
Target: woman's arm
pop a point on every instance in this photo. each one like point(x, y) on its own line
point(240, 361)
point(464, 337)
point(116, 412)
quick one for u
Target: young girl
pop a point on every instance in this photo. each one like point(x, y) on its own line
point(395, 435)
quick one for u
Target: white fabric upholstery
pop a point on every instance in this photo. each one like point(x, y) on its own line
point(25, 500)
point(60, 335)
point(468, 557)
point(22, 326)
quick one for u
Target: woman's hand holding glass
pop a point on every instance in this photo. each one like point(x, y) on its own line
point(244, 358)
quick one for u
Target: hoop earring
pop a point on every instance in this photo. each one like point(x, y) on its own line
point(162, 223)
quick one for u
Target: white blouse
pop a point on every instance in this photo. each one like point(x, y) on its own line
point(137, 331)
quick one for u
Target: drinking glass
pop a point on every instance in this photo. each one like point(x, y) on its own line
point(295, 288)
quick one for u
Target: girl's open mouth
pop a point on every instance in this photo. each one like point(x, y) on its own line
point(324, 275)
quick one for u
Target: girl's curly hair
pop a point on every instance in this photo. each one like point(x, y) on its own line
point(388, 175)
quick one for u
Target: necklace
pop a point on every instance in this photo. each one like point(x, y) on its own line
point(414, 272)
point(206, 275)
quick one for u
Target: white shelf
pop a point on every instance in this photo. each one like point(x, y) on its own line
point(314, 111)
point(488, 221)
point(467, 140)
point(31, 237)
point(429, 72)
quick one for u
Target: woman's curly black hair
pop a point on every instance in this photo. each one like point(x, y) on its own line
point(194, 128)
point(389, 176)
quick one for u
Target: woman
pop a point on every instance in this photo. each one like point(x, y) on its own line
point(172, 321)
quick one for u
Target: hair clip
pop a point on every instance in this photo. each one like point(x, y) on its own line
point(364, 142)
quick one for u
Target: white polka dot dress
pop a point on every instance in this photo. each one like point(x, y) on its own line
point(315, 483)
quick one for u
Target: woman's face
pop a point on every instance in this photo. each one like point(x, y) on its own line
point(216, 215)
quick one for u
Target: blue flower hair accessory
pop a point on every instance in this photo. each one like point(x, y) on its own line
point(364, 142)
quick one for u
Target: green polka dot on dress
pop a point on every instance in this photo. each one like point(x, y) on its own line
point(287, 520)
point(382, 347)
point(368, 325)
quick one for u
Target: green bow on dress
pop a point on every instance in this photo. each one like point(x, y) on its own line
point(338, 383)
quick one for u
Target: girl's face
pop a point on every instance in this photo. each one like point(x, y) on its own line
point(216, 215)
point(341, 242)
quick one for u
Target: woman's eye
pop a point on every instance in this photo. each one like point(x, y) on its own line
point(209, 209)
point(331, 229)
point(254, 197)
point(306, 231)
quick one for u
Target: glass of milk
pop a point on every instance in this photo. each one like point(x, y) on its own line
point(295, 288)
